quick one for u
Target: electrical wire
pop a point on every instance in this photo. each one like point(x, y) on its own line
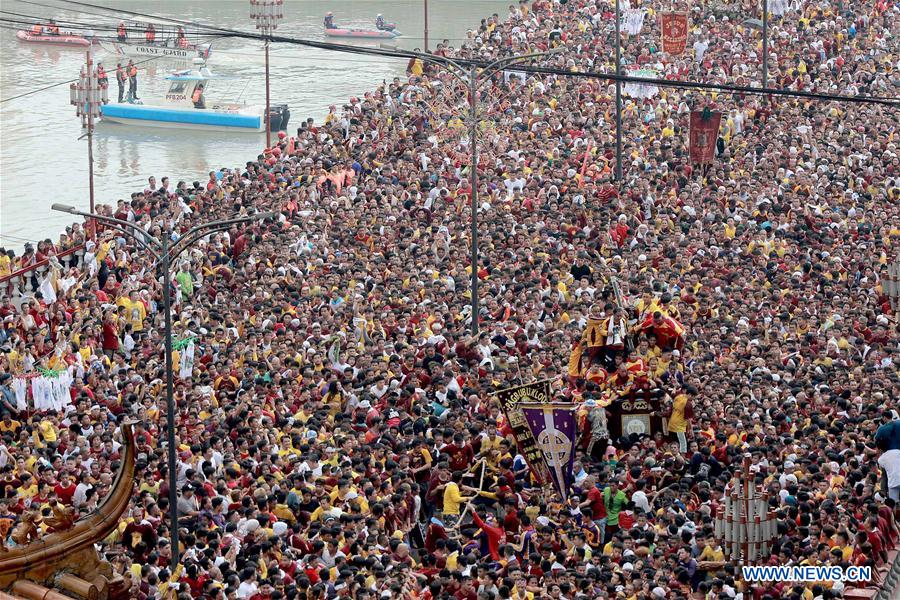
point(610, 77)
point(59, 83)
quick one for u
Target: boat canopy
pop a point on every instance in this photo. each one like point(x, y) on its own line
point(156, 21)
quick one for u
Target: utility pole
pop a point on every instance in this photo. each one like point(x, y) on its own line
point(471, 77)
point(765, 44)
point(618, 93)
point(86, 96)
point(426, 25)
point(266, 14)
point(473, 133)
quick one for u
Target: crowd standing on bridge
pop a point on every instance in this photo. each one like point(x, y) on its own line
point(337, 431)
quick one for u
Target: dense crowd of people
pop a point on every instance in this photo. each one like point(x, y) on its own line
point(337, 430)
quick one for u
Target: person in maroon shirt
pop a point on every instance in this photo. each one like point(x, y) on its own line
point(461, 454)
point(110, 335)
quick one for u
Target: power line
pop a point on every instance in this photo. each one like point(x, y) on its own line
point(678, 84)
point(59, 83)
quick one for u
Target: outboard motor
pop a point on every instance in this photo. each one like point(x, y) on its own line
point(279, 115)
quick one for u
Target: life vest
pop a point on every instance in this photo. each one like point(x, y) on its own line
point(121, 30)
point(182, 42)
point(132, 72)
point(37, 30)
point(195, 97)
point(150, 34)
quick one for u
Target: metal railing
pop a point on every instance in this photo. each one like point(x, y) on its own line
point(41, 263)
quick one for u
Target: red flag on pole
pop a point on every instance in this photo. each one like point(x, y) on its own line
point(674, 32)
point(704, 133)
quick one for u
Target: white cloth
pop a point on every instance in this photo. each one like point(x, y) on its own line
point(633, 20)
point(20, 388)
point(47, 290)
point(186, 362)
point(51, 393)
point(641, 90)
point(778, 7)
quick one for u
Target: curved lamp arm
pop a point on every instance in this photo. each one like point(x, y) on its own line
point(502, 63)
point(449, 65)
point(195, 233)
point(130, 229)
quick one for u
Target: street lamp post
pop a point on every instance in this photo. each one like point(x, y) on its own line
point(472, 77)
point(86, 96)
point(266, 14)
point(164, 253)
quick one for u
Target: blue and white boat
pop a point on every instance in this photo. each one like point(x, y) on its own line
point(187, 106)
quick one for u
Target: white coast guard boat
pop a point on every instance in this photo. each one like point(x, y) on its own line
point(186, 105)
point(156, 38)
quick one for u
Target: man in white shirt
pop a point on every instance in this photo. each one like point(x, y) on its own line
point(700, 47)
point(80, 495)
point(248, 585)
point(890, 462)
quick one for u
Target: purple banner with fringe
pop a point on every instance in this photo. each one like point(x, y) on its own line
point(554, 429)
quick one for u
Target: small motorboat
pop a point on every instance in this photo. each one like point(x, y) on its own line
point(361, 33)
point(63, 39)
point(186, 106)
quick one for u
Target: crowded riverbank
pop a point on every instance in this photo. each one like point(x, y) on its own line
point(331, 399)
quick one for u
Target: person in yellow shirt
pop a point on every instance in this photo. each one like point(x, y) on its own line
point(29, 488)
point(712, 552)
point(5, 263)
point(135, 311)
point(10, 425)
point(680, 419)
point(453, 499)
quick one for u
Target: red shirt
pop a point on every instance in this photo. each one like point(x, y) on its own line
point(460, 456)
point(598, 506)
point(495, 535)
point(65, 493)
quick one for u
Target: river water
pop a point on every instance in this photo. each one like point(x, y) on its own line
point(42, 160)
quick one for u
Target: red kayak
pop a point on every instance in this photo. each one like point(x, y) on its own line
point(64, 39)
point(361, 33)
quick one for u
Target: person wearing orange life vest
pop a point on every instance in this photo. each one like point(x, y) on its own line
point(121, 33)
point(120, 79)
point(102, 78)
point(53, 28)
point(197, 97)
point(150, 33)
point(132, 81)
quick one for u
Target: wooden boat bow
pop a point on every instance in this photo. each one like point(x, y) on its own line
point(70, 549)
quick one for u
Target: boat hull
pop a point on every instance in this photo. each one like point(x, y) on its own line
point(54, 40)
point(361, 33)
point(143, 50)
point(177, 118)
